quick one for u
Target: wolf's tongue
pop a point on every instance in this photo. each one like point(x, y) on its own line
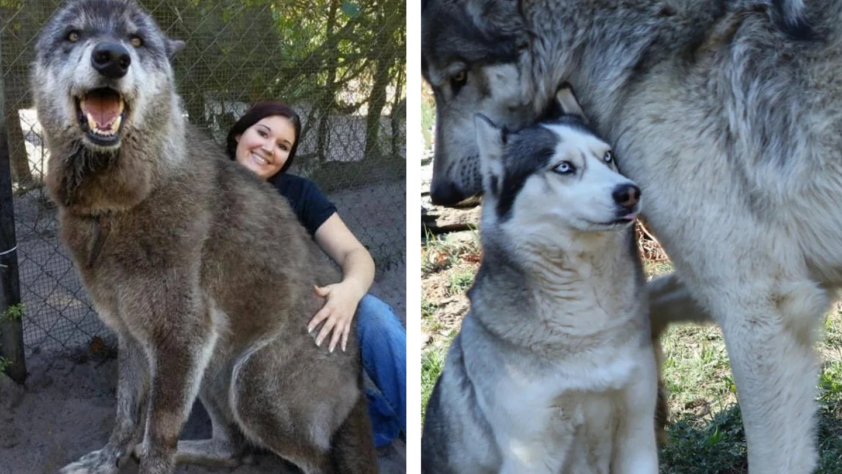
point(103, 109)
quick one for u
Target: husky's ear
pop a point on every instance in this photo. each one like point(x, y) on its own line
point(172, 47)
point(490, 141)
point(566, 100)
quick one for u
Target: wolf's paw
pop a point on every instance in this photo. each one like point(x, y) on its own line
point(97, 462)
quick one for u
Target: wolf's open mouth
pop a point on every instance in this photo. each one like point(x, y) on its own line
point(101, 113)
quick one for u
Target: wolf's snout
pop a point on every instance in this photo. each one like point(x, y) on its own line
point(626, 195)
point(112, 60)
point(445, 193)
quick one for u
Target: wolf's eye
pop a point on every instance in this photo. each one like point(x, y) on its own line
point(136, 41)
point(609, 156)
point(73, 36)
point(458, 80)
point(565, 167)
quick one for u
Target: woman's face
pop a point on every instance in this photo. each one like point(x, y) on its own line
point(264, 147)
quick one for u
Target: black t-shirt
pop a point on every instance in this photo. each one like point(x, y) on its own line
point(306, 199)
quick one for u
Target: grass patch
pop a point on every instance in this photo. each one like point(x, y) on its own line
point(442, 253)
point(705, 430)
point(460, 282)
point(432, 363)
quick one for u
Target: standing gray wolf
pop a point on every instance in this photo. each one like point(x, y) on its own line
point(727, 114)
point(553, 371)
point(201, 269)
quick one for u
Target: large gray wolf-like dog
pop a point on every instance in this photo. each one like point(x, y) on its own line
point(201, 269)
point(554, 370)
point(727, 114)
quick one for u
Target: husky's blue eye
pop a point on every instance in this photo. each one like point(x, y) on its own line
point(609, 156)
point(73, 36)
point(565, 167)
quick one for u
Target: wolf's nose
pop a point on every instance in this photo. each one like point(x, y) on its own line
point(626, 195)
point(112, 60)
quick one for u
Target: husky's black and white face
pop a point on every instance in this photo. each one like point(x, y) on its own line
point(102, 68)
point(553, 179)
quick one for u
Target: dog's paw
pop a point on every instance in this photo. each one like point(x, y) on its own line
point(97, 462)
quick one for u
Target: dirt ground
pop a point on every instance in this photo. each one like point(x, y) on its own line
point(67, 410)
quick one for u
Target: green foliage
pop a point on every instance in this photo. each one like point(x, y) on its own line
point(14, 312)
point(432, 363)
point(4, 364)
point(460, 282)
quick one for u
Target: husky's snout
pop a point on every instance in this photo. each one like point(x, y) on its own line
point(627, 197)
point(112, 60)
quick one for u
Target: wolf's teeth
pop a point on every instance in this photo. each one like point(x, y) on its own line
point(116, 124)
point(120, 110)
point(91, 122)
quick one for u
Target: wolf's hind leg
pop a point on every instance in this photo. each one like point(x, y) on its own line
point(226, 446)
point(299, 421)
point(353, 444)
point(209, 452)
point(132, 388)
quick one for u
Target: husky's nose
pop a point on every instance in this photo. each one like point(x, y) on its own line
point(112, 60)
point(626, 195)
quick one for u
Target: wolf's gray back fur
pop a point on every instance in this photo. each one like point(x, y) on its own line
point(727, 115)
point(201, 268)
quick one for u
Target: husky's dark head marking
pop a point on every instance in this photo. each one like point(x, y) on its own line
point(102, 68)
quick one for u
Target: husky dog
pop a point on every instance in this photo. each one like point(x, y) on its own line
point(727, 114)
point(200, 268)
point(553, 371)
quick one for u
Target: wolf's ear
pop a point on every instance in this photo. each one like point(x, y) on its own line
point(490, 141)
point(566, 100)
point(502, 17)
point(172, 47)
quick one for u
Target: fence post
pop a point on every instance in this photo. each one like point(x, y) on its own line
point(11, 329)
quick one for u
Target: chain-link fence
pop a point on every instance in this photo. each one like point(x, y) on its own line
point(339, 63)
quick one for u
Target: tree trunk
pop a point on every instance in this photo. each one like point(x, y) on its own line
point(21, 173)
point(11, 329)
point(398, 115)
point(376, 102)
point(325, 104)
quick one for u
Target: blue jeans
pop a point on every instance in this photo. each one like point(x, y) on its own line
point(383, 345)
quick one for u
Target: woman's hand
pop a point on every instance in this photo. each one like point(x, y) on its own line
point(337, 313)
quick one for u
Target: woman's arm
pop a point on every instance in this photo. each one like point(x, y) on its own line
point(334, 237)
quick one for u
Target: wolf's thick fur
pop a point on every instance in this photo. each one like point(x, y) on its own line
point(200, 268)
point(553, 371)
point(728, 115)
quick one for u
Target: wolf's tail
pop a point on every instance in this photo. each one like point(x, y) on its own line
point(789, 16)
point(352, 446)
point(670, 302)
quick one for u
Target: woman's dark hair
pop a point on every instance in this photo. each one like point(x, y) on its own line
point(256, 113)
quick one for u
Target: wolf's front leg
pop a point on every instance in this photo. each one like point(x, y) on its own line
point(132, 389)
point(179, 358)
